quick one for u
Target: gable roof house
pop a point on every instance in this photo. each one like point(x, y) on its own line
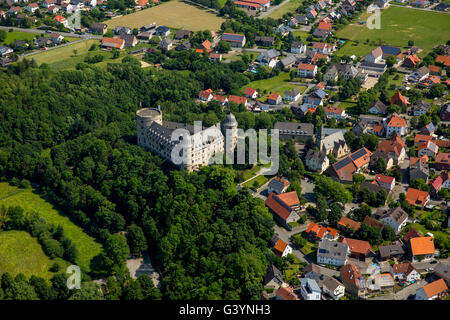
point(130, 40)
point(333, 143)
point(309, 289)
point(238, 100)
point(421, 107)
point(264, 41)
point(394, 147)
point(335, 112)
point(284, 206)
point(411, 233)
point(118, 30)
point(427, 148)
point(306, 70)
point(395, 124)
point(355, 283)
point(442, 181)
point(342, 70)
point(316, 160)
point(269, 58)
point(312, 271)
point(411, 61)
point(417, 197)
point(278, 185)
point(347, 224)
point(113, 43)
point(359, 249)
point(391, 251)
point(205, 95)
point(421, 249)
point(292, 95)
point(282, 249)
point(100, 28)
point(286, 293)
point(250, 93)
point(332, 253)
point(288, 62)
point(162, 31)
point(386, 182)
point(317, 232)
point(344, 169)
point(183, 34)
point(442, 270)
point(273, 278)
point(432, 291)
point(378, 107)
point(333, 288)
point(373, 222)
point(298, 47)
point(235, 40)
point(274, 98)
point(404, 272)
point(295, 130)
point(419, 74)
point(442, 161)
point(396, 218)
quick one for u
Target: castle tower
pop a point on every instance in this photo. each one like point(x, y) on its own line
point(144, 118)
point(231, 125)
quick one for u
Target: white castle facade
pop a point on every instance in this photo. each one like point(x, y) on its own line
point(200, 146)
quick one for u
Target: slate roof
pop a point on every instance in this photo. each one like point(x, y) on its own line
point(391, 250)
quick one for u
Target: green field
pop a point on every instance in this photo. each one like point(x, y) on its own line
point(174, 14)
point(277, 84)
point(289, 7)
point(30, 201)
point(21, 253)
point(398, 25)
point(18, 35)
point(302, 34)
point(260, 180)
point(64, 58)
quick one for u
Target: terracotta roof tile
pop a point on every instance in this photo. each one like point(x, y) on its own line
point(421, 246)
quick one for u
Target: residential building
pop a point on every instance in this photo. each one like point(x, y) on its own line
point(442, 270)
point(421, 249)
point(348, 224)
point(205, 95)
point(32, 7)
point(307, 70)
point(396, 218)
point(355, 283)
point(265, 41)
point(359, 249)
point(286, 293)
point(378, 107)
point(288, 62)
point(238, 100)
point(417, 197)
point(335, 112)
point(214, 56)
point(427, 148)
point(317, 232)
point(285, 207)
point(130, 40)
point(333, 288)
point(395, 124)
point(166, 44)
point(419, 74)
point(278, 185)
point(391, 251)
point(235, 40)
point(312, 271)
point(269, 58)
point(405, 272)
point(442, 161)
point(292, 95)
point(432, 291)
point(442, 181)
point(309, 289)
point(112, 43)
point(317, 160)
point(322, 47)
point(332, 252)
point(394, 147)
point(162, 31)
point(274, 98)
point(386, 182)
point(295, 130)
point(183, 34)
point(298, 47)
point(282, 249)
point(251, 93)
point(273, 278)
point(336, 70)
point(100, 28)
point(371, 221)
point(344, 169)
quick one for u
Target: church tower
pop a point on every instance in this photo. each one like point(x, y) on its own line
point(230, 125)
point(320, 137)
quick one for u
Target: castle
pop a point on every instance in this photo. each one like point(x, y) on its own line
point(202, 145)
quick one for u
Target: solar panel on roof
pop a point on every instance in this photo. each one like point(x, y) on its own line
point(232, 37)
point(342, 163)
point(358, 154)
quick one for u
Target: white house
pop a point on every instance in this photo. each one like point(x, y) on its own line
point(333, 288)
point(269, 58)
point(306, 70)
point(404, 272)
point(432, 291)
point(332, 253)
point(395, 124)
point(298, 47)
point(47, 3)
point(282, 249)
point(292, 95)
point(335, 112)
point(309, 289)
point(385, 182)
point(251, 93)
point(374, 56)
point(32, 7)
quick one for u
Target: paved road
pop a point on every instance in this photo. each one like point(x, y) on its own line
point(285, 235)
point(404, 293)
point(272, 9)
point(64, 34)
point(51, 48)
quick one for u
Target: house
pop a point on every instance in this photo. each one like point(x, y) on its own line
point(355, 283)
point(428, 129)
point(374, 56)
point(273, 278)
point(302, 132)
point(427, 148)
point(316, 160)
point(47, 3)
point(444, 112)
point(56, 38)
point(442, 270)
point(298, 47)
point(434, 70)
point(284, 293)
point(360, 127)
point(419, 74)
point(250, 93)
point(282, 249)
point(269, 58)
point(100, 28)
point(420, 3)
point(335, 112)
point(391, 251)
point(284, 206)
point(386, 182)
point(411, 61)
point(235, 40)
point(238, 100)
point(421, 249)
point(118, 30)
point(321, 34)
point(282, 30)
point(313, 100)
point(405, 272)
point(345, 71)
point(332, 252)
point(445, 60)
point(112, 43)
point(396, 218)
point(432, 291)
point(333, 143)
point(378, 68)
point(322, 47)
point(359, 249)
point(292, 95)
point(312, 271)
point(378, 107)
point(371, 221)
point(264, 41)
point(4, 51)
point(278, 185)
point(214, 56)
point(418, 170)
point(344, 169)
point(417, 197)
point(130, 40)
point(67, 8)
point(414, 160)
point(205, 95)
point(348, 224)
point(311, 13)
point(288, 62)
point(395, 124)
point(220, 98)
point(442, 181)
point(317, 232)
point(306, 70)
point(333, 288)
point(394, 147)
point(166, 44)
point(32, 7)
point(442, 161)
point(421, 107)
point(148, 27)
point(183, 34)
point(274, 98)
point(14, 10)
point(162, 31)
point(383, 281)
point(309, 289)
point(411, 233)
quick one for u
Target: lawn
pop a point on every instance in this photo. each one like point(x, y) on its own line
point(18, 35)
point(398, 25)
point(424, 231)
point(64, 58)
point(277, 84)
point(30, 201)
point(174, 14)
point(260, 180)
point(289, 7)
point(302, 34)
point(21, 253)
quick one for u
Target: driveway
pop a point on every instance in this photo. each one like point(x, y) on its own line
point(285, 235)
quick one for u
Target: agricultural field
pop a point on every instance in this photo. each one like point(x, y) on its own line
point(21, 253)
point(289, 7)
point(277, 84)
point(18, 35)
point(67, 57)
point(174, 14)
point(30, 201)
point(398, 25)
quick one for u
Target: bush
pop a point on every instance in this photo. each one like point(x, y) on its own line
point(55, 267)
point(24, 184)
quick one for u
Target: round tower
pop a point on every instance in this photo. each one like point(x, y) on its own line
point(144, 118)
point(230, 125)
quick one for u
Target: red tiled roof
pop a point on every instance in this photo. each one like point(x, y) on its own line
point(277, 207)
point(358, 246)
point(318, 56)
point(335, 110)
point(116, 41)
point(399, 99)
point(442, 158)
point(280, 246)
point(60, 18)
point(289, 198)
point(248, 4)
point(416, 197)
point(433, 68)
point(237, 99)
point(423, 159)
point(287, 294)
point(396, 121)
point(421, 246)
point(384, 179)
point(412, 233)
point(405, 268)
point(349, 223)
point(319, 231)
point(274, 96)
point(443, 59)
point(249, 91)
point(422, 138)
point(204, 94)
point(350, 273)
point(219, 97)
point(324, 26)
point(305, 66)
point(435, 288)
